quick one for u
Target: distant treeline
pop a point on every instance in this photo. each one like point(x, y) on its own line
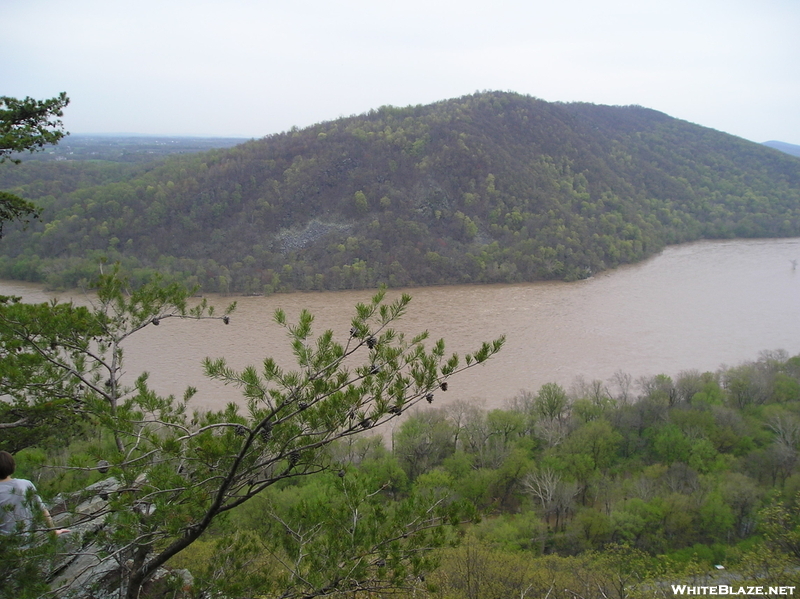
point(131, 149)
point(493, 187)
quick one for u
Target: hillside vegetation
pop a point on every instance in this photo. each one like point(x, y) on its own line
point(492, 187)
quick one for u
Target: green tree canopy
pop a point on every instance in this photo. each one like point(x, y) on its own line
point(26, 125)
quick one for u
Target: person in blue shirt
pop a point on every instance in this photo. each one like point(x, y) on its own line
point(20, 504)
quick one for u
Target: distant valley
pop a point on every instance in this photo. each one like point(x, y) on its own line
point(127, 148)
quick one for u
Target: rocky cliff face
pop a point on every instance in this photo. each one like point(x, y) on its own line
point(87, 565)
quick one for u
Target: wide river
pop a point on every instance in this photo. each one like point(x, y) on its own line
point(694, 306)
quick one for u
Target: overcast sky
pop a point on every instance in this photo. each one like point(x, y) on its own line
point(248, 68)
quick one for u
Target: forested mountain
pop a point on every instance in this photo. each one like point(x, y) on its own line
point(492, 187)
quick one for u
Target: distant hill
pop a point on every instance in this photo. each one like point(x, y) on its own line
point(784, 147)
point(491, 187)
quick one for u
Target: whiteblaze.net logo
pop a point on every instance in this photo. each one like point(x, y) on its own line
point(727, 590)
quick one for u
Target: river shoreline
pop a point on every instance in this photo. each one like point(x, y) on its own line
point(693, 306)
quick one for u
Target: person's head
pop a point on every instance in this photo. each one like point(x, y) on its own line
point(7, 464)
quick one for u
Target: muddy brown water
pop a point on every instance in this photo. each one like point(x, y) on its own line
point(694, 306)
